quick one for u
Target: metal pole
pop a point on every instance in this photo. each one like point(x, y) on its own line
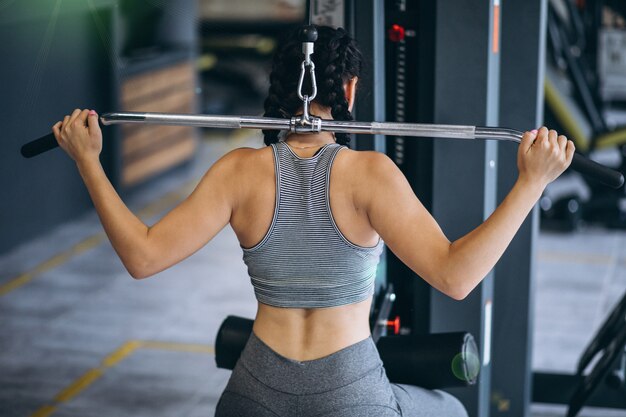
point(581, 164)
point(314, 125)
point(373, 128)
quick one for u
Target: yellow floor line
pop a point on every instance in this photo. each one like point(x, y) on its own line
point(111, 360)
point(59, 259)
point(178, 347)
point(16, 283)
point(79, 385)
point(44, 411)
point(124, 351)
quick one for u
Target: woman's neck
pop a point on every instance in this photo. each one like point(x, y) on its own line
point(312, 140)
point(318, 111)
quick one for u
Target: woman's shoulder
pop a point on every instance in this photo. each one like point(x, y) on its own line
point(244, 152)
point(244, 164)
point(244, 156)
point(367, 172)
point(366, 162)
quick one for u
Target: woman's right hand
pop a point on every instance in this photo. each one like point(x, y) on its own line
point(543, 155)
point(79, 135)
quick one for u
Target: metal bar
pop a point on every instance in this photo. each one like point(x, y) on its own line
point(499, 133)
point(198, 120)
point(581, 164)
point(375, 128)
point(314, 124)
point(401, 129)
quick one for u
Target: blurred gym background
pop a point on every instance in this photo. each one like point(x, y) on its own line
point(79, 337)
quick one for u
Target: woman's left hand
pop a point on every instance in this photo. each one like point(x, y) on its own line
point(79, 135)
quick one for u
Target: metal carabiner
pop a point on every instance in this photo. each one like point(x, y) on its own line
point(311, 66)
point(313, 81)
point(306, 99)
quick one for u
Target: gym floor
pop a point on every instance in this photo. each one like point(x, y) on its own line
point(103, 344)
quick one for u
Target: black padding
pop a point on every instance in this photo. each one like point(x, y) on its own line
point(307, 33)
point(231, 339)
point(431, 361)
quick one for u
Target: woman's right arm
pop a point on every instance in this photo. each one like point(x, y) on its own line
point(413, 235)
point(145, 250)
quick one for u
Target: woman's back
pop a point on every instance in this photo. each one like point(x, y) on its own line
point(306, 333)
point(252, 216)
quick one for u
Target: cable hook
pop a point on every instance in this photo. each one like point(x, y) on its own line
point(308, 36)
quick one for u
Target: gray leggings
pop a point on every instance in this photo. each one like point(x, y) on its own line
point(348, 383)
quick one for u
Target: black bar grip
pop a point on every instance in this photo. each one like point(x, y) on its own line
point(597, 171)
point(38, 146)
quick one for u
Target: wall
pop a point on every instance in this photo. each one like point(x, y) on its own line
point(53, 63)
point(61, 56)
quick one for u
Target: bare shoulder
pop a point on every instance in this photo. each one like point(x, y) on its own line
point(365, 157)
point(237, 172)
point(245, 154)
point(242, 160)
point(368, 165)
point(367, 176)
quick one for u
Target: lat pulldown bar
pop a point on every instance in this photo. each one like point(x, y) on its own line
point(580, 163)
point(307, 123)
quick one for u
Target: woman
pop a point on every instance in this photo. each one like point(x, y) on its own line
point(311, 237)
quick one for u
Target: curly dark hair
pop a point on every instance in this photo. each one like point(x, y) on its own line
point(337, 60)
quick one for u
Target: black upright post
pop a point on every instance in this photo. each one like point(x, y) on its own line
point(443, 67)
point(521, 107)
point(409, 34)
point(466, 86)
point(364, 20)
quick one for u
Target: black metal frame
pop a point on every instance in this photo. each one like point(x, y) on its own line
point(605, 384)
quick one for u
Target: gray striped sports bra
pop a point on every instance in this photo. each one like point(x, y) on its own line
point(304, 261)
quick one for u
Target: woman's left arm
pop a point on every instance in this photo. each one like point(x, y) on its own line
point(145, 250)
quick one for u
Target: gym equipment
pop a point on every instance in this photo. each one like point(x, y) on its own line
point(230, 341)
point(572, 42)
point(311, 124)
point(610, 343)
point(379, 316)
point(608, 330)
point(437, 360)
point(605, 383)
point(432, 361)
point(563, 214)
point(300, 124)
